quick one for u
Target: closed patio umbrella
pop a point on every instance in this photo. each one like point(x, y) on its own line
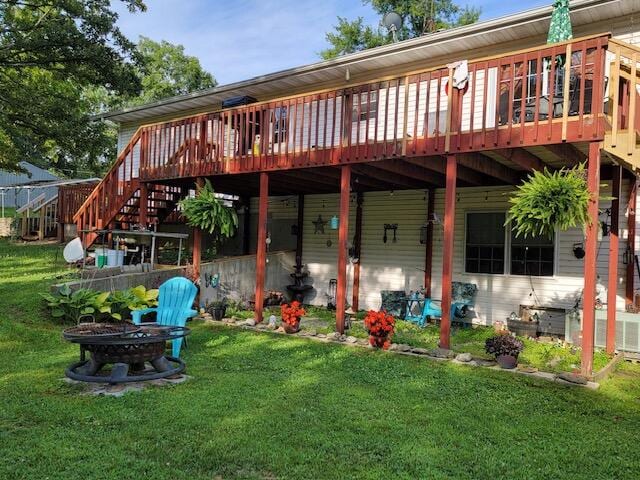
point(560, 29)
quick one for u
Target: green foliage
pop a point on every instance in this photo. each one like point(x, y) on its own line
point(419, 16)
point(82, 304)
point(547, 201)
point(75, 306)
point(50, 50)
point(207, 212)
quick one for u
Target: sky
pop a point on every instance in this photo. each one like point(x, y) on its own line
point(240, 39)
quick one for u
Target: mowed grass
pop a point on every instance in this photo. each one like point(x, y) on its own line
point(263, 406)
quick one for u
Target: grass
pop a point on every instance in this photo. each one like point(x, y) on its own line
point(262, 407)
point(9, 212)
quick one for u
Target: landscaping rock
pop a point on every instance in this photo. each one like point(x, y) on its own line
point(554, 362)
point(333, 336)
point(362, 341)
point(393, 347)
point(420, 351)
point(342, 338)
point(250, 322)
point(573, 378)
point(321, 335)
point(279, 330)
point(527, 369)
point(262, 326)
point(312, 333)
point(464, 357)
point(441, 353)
point(481, 362)
point(403, 347)
point(351, 339)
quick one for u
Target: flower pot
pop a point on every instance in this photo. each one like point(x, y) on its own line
point(507, 361)
point(219, 312)
point(379, 341)
point(291, 328)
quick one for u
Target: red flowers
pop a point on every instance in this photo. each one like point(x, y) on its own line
point(380, 326)
point(291, 313)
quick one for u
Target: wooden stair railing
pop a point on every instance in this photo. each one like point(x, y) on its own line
point(623, 136)
point(111, 194)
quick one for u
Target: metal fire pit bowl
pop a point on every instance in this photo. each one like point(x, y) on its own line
point(128, 348)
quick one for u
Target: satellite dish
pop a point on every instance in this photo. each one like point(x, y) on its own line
point(393, 23)
point(73, 251)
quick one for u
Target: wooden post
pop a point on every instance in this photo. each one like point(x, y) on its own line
point(631, 244)
point(197, 241)
point(343, 233)
point(300, 230)
point(143, 206)
point(428, 255)
point(591, 250)
point(612, 288)
point(357, 251)
point(261, 250)
point(41, 225)
point(447, 250)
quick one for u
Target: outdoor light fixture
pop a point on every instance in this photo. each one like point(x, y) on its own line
point(423, 234)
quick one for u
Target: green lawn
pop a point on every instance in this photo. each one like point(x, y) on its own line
point(265, 406)
point(8, 212)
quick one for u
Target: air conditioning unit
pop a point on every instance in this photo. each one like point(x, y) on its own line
point(627, 330)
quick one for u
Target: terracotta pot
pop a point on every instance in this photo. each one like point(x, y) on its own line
point(378, 341)
point(291, 328)
point(507, 361)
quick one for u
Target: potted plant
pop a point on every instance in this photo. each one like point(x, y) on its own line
point(380, 326)
point(217, 308)
point(291, 314)
point(505, 348)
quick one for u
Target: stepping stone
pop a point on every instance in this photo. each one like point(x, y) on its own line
point(442, 353)
point(464, 357)
point(573, 378)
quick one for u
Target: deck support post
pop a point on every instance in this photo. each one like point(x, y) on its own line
point(447, 250)
point(299, 229)
point(261, 247)
point(428, 254)
point(143, 206)
point(612, 287)
point(343, 232)
point(631, 244)
point(357, 252)
point(197, 242)
point(590, 260)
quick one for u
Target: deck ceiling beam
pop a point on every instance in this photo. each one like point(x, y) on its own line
point(356, 180)
point(567, 152)
point(438, 164)
point(521, 157)
point(400, 167)
point(488, 166)
point(394, 180)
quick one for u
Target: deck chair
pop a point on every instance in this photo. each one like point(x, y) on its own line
point(419, 308)
point(174, 307)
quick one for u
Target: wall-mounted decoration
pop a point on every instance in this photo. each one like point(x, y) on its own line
point(334, 222)
point(319, 225)
point(212, 281)
point(329, 242)
point(393, 227)
point(578, 250)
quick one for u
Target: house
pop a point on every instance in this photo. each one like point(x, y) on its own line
point(414, 174)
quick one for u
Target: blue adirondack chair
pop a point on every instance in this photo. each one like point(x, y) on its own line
point(174, 307)
point(419, 308)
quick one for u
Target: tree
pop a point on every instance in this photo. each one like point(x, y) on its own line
point(420, 17)
point(166, 71)
point(50, 52)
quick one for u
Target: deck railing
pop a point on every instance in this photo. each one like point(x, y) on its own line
point(549, 94)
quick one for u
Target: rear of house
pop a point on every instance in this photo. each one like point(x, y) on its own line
point(354, 154)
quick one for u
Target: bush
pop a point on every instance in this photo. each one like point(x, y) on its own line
point(503, 344)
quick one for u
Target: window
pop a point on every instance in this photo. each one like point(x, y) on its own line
point(368, 106)
point(532, 256)
point(485, 243)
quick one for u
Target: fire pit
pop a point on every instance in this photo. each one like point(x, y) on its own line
point(127, 348)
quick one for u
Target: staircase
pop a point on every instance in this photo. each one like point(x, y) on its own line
point(117, 200)
point(622, 138)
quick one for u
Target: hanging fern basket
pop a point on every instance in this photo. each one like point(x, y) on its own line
point(207, 212)
point(549, 201)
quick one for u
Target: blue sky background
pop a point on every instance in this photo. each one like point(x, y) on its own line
point(240, 39)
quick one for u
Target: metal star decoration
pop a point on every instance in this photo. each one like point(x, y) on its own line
point(319, 225)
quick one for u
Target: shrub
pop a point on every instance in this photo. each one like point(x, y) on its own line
point(503, 344)
point(72, 306)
